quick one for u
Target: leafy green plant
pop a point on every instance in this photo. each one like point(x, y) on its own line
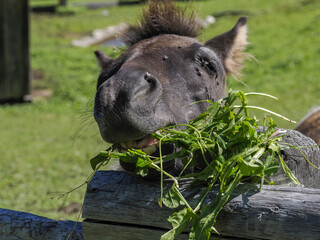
point(225, 146)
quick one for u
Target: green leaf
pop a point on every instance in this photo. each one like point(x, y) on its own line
point(271, 169)
point(221, 144)
point(287, 170)
point(142, 164)
point(259, 153)
point(125, 157)
point(142, 171)
point(249, 168)
point(199, 120)
point(271, 166)
point(274, 147)
point(179, 220)
point(211, 170)
point(97, 160)
point(172, 198)
point(201, 229)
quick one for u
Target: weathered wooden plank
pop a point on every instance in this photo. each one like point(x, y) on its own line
point(108, 231)
point(16, 225)
point(14, 49)
point(308, 175)
point(274, 213)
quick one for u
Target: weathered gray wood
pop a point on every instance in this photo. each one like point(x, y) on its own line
point(123, 204)
point(274, 213)
point(308, 175)
point(16, 225)
point(14, 51)
point(109, 231)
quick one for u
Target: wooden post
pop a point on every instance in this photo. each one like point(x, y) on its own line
point(63, 2)
point(14, 51)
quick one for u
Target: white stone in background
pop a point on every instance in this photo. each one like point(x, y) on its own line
point(209, 20)
point(105, 13)
point(101, 35)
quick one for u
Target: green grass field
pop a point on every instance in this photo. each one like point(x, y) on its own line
point(46, 146)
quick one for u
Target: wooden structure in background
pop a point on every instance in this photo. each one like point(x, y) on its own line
point(14, 51)
point(63, 2)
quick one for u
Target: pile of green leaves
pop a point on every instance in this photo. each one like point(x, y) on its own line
point(226, 145)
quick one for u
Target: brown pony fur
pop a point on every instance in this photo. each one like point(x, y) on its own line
point(165, 18)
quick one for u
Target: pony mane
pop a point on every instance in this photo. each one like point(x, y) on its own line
point(163, 17)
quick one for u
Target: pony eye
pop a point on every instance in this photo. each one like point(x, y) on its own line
point(209, 61)
point(208, 65)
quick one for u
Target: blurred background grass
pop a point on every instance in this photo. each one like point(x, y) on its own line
point(46, 146)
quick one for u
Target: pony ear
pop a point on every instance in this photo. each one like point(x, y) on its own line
point(103, 60)
point(230, 47)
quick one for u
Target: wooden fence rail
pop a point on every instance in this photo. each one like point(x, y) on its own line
point(16, 225)
point(118, 205)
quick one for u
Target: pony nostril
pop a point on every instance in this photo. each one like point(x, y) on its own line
point(150, 78)
point(147, 77)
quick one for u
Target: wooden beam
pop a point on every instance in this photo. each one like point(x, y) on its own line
point(117, 201)
point(123, 204)
point(16, 225)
